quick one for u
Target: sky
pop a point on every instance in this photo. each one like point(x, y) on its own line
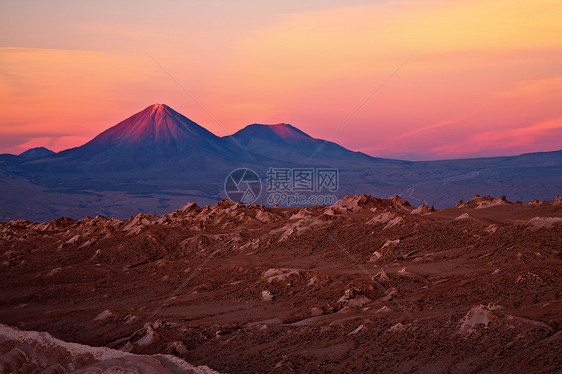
point(416, 80)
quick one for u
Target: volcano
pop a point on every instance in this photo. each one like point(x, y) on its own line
point(286, 142)
point(155, 136)
point(156, 126)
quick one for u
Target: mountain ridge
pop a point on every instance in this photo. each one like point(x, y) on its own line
point(171, 128)
point(158, 159)
point(158, 134)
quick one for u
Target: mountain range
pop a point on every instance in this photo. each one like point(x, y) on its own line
point(158, 159)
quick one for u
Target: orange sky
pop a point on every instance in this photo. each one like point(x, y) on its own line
point(485, 76)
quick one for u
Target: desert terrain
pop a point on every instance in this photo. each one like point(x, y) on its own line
point(364, 285)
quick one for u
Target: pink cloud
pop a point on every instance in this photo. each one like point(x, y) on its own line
point(544, 135)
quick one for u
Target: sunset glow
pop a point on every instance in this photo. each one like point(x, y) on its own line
point(485, 77)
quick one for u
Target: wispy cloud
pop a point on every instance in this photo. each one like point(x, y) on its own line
point(544, 135)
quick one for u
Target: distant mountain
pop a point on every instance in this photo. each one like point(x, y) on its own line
point(37, 152)
point(156, 135)
point(157, 126)
point(287, 143)
point(158, 159)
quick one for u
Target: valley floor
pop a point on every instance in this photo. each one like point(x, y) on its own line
point(364, 285)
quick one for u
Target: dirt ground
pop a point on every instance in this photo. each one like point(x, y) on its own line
point(364, 285)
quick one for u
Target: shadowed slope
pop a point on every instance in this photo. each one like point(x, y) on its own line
point(287, 143)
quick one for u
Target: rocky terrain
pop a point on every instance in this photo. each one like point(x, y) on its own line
point(364, 285)
point(39, 352)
